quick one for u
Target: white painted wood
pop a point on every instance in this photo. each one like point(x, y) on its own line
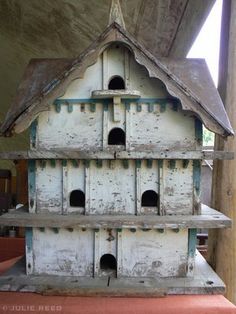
point(154, 254)
point(177, 189)
point(64, 253)
point(76, 181)
point(79, 129)
point(138, 190)
point(105, 243)
point(104, 70)
point(112, 190)
point(49, 187)
point(157, 130)
point(87, 183)
point(116, 56)
point(116, 107)
point(149, 181)
point(84, 130)
point(65, 192)
point(127, 69)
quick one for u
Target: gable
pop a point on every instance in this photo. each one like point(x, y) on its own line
point(203, 102)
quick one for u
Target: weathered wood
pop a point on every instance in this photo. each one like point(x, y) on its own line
point(222, 244)
point(108, 154)
point(209, 218)
point(116, 93)
point(205, 281)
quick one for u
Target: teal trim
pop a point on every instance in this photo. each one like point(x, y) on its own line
point(75, 163)
point(70, 108)
point(198, 131)
point(93, 107)
point(42, 163)
point(33, 133)
point(126, 163)
point(149, 163)
point(139, 107)
point(99, 163)
point(160, 163)
point(161, 101)
point(127, 106)
point(138, 163)
point(29, 239)
point(192, 240)
point(185, 163)
point(162, 107)
point(176, 230)
point(150, 107)
point(64, 162)
point(105, 106)
point(58, 106)
point(172, 164)
point(86, 163)
point(53, 163)
point(31, 181)
point(197, 175)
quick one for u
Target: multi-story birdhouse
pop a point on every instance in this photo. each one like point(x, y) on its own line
point(115, 160)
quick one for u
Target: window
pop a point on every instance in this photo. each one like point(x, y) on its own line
point(108, 262)
point(116, 137)
point(116, 82)
point(149, 199)
point(77, 198)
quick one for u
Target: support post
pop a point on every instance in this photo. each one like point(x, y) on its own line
point(222, 243)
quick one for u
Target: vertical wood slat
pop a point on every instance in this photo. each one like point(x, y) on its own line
point(105, 126)
point(87, 189)
point(119, 251)
point(96, 256)
point(192, 239)
point(128, 125)
point(161, 164)
point(138, 189)
point(29, 250)
point(65, 192)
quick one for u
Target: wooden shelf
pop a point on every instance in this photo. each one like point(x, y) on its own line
point(116, 153)
point(209, 218)
point(110, 93)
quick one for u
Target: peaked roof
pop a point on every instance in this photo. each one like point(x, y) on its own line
point(189, 80)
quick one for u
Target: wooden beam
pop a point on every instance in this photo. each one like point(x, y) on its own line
point(222, 244)
point(209, 218)
point(109, 154)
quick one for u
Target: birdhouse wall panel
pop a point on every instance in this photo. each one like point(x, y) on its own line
point(105, 243)
point(78, 129)
point(76, 182)
point(48, 188)
point(91, 80)
point(112, 188)
point(177, 188)
point(115, 58)
point(139, 80)
point(63, 252)
point(161, 130)
point(153, 254)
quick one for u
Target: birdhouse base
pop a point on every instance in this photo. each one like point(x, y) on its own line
point(205, 281)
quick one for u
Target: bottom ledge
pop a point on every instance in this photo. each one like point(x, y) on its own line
point(205, 281)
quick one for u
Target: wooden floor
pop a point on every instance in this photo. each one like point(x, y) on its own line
point(205, 281)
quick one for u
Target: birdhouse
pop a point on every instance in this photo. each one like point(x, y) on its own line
point(115, 163)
